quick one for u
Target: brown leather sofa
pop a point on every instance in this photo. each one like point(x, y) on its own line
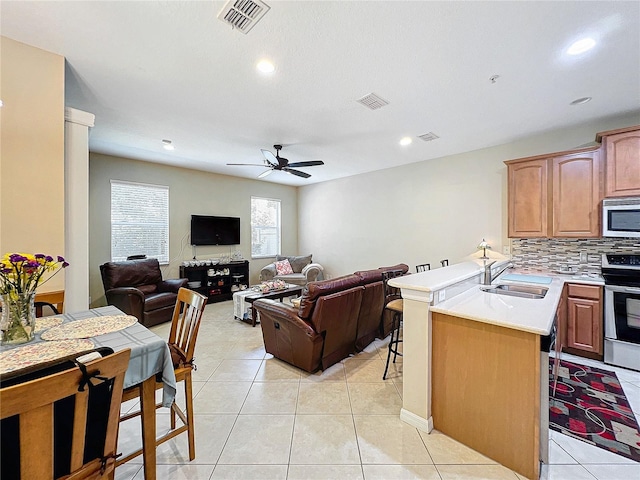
point(136, 287)
point(336, 318)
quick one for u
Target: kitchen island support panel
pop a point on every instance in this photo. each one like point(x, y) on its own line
point(416, 368)
point(486, 390)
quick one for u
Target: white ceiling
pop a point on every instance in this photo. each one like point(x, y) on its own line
point(154, 70)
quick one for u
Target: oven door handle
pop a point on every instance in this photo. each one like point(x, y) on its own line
point(622, 289)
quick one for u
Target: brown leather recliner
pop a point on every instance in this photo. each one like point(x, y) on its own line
point(136, 287)
point(321, 332)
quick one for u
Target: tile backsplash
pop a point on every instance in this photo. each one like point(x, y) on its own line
point(561, 253)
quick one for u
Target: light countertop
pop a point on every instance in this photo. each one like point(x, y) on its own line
point(526, 314)
point(439, 278)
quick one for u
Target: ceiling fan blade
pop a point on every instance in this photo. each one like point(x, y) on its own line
point(269, 157)
point(265, 173)
point(296, 172)
point(312, 163)
point(248, 164)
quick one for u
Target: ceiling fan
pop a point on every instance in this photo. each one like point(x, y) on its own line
point(276, 162)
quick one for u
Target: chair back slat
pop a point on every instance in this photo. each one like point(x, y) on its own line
point(111, 441)
point(423, 267)
point(38, 461)
point(79, 427)
point(390, 293)
point(186, 321)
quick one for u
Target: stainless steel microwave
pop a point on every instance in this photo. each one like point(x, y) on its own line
point(621, 217)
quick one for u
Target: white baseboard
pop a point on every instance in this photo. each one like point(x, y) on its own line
point(416, 421)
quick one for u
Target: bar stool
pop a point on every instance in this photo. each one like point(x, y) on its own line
point(423, 267)
point(394, 304)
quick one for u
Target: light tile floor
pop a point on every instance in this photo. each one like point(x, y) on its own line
point(258, 418)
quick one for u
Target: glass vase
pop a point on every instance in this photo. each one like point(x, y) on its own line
point(18, 321)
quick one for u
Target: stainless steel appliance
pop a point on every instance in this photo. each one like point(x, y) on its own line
point(621, 272)
point(621, 217)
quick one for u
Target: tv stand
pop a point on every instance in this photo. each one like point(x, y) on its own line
point(215, 283)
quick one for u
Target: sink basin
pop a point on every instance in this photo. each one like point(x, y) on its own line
point(523, 291)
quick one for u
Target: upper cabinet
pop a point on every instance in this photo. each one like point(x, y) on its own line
point(556, 195)
point(623, 161)
point(576, 195)
point(528, 196)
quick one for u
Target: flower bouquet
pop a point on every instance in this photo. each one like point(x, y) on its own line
point(20, 276)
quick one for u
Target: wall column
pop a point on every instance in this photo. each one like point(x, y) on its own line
point(76, 179)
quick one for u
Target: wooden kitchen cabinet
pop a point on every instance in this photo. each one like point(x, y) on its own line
point(584, 332)
point(576, 195)
point(561, 333)
point(556, 195)
point(528, 196)
point(622, 162)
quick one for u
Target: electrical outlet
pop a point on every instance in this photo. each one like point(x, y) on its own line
point(441, 295)
point(506, 250)
point(583, 257)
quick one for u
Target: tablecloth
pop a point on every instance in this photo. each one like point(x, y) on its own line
point(149, 353)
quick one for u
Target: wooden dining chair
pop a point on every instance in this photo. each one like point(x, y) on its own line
point(63, 425)
point(182, 343)
point(53, 300)
point(423, 267)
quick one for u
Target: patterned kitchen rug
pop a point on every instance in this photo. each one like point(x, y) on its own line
point(591, 406)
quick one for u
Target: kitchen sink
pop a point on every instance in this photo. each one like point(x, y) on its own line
point(523, 291)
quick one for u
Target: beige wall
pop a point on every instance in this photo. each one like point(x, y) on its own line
point(423, 212)
point(190, 192)
point(32, 152)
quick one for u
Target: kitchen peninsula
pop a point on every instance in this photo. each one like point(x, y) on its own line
point(473, 367)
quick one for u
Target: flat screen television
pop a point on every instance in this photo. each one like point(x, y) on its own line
point(210, 230)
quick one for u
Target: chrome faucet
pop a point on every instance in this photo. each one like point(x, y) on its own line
point(487, 277)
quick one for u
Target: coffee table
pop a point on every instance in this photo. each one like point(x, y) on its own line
point(290, 291)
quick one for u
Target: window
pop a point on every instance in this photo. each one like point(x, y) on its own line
point(265, 227)
point(139, 221)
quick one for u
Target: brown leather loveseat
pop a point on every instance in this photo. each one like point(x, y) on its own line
point(336, 318)
point(136, 287)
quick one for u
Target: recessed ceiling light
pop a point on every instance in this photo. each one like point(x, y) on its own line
point(581, 46)
point(580, 101)
point(406, 141)
point(166, 144)
point(265, 66)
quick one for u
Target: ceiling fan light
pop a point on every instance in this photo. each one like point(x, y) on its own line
point(265, 173)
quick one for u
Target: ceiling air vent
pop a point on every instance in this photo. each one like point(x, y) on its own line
point(242, 15)
point(427, 137)
point(373, 101)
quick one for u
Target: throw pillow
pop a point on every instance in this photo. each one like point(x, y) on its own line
point(283, 267)
point(297, 263)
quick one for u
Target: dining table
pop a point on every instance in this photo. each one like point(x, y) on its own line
point(150, 359)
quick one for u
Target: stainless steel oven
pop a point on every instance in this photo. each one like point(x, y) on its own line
point(621, 272)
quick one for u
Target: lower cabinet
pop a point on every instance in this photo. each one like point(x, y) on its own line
point(584, 332)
